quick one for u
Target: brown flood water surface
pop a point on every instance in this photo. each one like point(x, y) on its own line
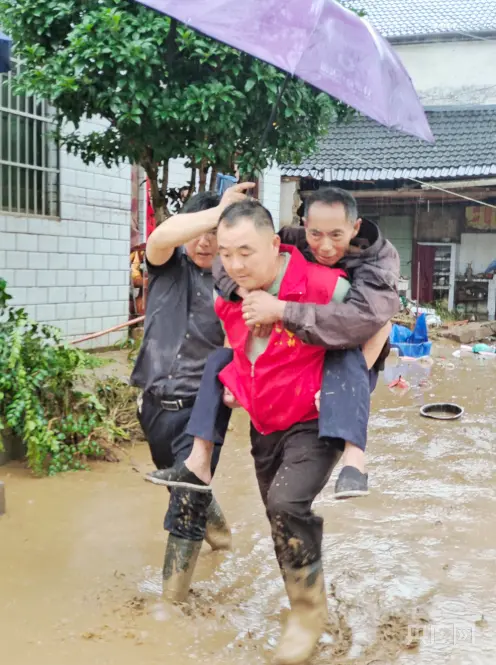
point(81, 554)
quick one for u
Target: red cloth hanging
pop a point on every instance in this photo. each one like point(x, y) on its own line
point(150, 215)
point(425, 255)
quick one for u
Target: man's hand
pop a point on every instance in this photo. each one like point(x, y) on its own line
point(229, 400)
point(317, 401)
point(262, 331)
point(260, 308)
point(235, 194)
point(258, 330)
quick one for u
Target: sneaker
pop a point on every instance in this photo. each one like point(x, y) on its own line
point(177, 476)
point(351, 483)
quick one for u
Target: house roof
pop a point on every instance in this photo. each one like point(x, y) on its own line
point(406, 18)
point(361, 149)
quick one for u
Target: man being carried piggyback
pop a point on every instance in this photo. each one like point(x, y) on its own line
point(354, 326)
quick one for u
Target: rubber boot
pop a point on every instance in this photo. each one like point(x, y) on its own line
point(218, 533)
point(308, 616)
point(180, 560)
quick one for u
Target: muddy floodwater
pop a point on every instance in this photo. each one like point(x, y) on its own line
point(411, 570)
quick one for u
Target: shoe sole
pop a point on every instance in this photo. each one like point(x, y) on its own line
point(352, 494)
point(175, 483)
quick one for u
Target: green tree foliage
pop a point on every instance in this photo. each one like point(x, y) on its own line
point(164, 90)
point(40, 404)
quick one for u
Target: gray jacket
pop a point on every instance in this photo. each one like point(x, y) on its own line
point(373, 267)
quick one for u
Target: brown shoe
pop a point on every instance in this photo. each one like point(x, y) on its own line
point(308, 616)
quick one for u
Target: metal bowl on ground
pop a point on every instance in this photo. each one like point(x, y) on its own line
point(442, 411)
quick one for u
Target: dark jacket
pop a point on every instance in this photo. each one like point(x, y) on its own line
point(373, 266)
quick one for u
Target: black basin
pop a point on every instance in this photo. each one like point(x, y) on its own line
point(442, 411)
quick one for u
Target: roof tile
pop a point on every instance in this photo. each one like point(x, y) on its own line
point(404, 18)
point(361, 149)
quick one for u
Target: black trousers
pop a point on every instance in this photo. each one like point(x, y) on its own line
point(292, 467)
point(169, 443)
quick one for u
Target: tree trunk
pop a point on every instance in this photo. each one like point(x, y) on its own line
point(192, 183)
point(203, 175)
point(213, 179)
point(158, 200)
point(165, 179)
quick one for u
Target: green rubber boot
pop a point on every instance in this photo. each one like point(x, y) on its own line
point(308, 616)
point(218, 534)
point(179, 565)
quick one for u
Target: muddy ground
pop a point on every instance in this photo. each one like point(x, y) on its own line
point(411, 570)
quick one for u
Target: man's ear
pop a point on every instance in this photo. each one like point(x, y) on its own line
point(356, 227)
point(305, 222)
point(276, 243)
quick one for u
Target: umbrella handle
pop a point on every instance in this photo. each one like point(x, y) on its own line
point(269, 125)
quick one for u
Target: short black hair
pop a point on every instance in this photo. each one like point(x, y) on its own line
point(253, 210)
point(330, 196)
point(201, 201)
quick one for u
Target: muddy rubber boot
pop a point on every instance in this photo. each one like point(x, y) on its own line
point(308, 616)
point(218, 534)
point(180, 560)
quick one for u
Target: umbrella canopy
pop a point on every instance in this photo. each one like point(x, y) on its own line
point(5, 46)
point(319, 41)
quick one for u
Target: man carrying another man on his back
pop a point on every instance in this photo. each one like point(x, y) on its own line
point(276, 379)
point(333, 236)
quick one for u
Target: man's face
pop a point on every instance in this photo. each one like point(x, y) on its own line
point(329, 232)
point(249, 255)
point(202, 250)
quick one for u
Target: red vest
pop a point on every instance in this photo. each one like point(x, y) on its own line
point(278, 390)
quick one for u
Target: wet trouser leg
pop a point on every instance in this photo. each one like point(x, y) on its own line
point(345, 397)
point(292, 467)
point(210, 416)
point(166, 434)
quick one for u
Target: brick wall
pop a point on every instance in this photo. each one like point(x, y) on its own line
point(73, 272)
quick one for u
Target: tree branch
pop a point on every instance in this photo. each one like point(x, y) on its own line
point(213, 179)
point(171, 45)
point(192, 183)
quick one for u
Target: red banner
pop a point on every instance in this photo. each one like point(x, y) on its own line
point(150, 215)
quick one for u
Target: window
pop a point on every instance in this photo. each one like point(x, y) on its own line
point(29, 161)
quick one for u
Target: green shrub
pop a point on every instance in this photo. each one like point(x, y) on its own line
point(59, 425)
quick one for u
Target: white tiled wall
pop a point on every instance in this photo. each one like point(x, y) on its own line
point(73, 272)
point(478, 249)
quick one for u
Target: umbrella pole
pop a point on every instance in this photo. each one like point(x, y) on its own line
point(418, 289)
point(270, 123)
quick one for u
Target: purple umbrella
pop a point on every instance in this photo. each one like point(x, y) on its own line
point(319, 41)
